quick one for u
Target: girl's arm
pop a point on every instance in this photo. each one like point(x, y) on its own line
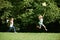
point(43, 14)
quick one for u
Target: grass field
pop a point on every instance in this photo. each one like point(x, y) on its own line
point(29, 36)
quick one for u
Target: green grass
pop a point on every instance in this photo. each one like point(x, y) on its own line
point(29, 36)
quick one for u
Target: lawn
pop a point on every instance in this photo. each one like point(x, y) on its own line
point(29, 36)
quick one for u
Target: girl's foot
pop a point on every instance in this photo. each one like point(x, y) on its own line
point(37, 26)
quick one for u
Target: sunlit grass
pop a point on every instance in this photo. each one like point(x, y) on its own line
point(29, 36)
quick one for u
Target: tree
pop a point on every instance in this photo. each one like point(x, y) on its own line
point(26, 12)
point(5, 7)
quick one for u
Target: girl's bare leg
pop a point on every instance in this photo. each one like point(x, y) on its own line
point(44, 27)
point(40, 26)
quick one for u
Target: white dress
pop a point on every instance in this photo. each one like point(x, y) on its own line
point(41, 21)
point(11, 24)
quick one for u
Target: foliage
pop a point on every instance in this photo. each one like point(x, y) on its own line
point(26, 12)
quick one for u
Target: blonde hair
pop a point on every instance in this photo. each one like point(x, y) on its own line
point(40, 16)
point(11, 19)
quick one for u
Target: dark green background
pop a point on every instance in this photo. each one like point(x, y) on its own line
point(26, 12)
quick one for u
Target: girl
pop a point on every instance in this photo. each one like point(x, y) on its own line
point(41, 22)
point(11, 25)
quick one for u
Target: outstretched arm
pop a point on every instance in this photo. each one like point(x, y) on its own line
point(43, 14)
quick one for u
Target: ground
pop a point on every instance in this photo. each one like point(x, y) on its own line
point(29, 36)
